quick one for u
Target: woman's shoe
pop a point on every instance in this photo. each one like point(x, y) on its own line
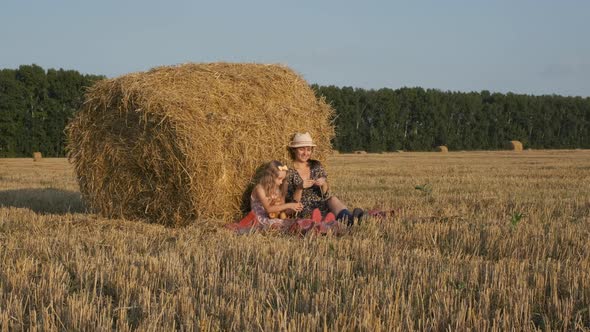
point(344, 216)
point(357, 214)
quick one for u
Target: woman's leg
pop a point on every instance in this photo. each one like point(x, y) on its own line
point(335, 205)
point(340, 210)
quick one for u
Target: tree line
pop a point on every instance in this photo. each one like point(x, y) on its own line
point(416, 119)
point(36, 105)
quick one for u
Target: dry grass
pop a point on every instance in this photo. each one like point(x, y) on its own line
point(481, 241)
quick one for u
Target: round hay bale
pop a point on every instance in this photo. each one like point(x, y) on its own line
point(180, 144)
point(441, 148)
point(360, 152)
point(37, 156)
point(514, 145)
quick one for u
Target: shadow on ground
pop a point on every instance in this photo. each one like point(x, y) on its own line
point(43, 200)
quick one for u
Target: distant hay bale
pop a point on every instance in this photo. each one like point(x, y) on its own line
point(360, 152)
point(514, 145)
point(441, 148)
point(37, 156)
point(180, 144)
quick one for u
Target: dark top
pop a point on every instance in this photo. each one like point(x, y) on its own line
point(312, 197)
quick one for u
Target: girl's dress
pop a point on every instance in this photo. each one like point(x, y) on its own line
point(311, 198)
point(263, 221)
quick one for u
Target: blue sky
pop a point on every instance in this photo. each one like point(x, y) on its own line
point(522, 46)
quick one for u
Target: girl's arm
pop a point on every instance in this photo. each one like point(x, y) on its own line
point(261, 196)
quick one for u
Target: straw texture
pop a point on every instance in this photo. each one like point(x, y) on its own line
point(180, 144)
point(514, 145)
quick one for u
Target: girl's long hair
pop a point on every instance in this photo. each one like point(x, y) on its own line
point(268, 177)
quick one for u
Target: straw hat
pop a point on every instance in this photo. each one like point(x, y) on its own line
point(300, 140)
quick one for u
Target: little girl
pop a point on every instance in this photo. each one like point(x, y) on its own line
point(268, 197)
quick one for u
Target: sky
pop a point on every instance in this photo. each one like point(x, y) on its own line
point(531, 47)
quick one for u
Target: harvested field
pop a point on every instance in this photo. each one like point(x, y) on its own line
point(479, 240)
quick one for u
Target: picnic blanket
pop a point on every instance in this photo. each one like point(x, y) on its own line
point(297, 226)
point(316, 224)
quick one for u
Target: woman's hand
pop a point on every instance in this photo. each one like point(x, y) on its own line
point(295, 206)
point(320, 182)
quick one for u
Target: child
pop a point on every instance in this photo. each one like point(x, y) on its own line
point(268, 197)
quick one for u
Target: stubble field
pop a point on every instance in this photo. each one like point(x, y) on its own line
point(478, 240)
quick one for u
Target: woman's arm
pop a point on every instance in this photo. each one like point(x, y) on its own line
point(296, 185)
point(323, 184)
point(261, 196)
point(298, 194)
point(321, 177)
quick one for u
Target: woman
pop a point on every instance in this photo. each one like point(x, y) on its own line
point(308, 184)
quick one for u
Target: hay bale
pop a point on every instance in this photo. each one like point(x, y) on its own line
point(441, 148)
point(37, 156)
point(359, 152)
point(180, 144)
point(514, 145)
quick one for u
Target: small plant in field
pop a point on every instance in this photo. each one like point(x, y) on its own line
point(515, 219)
point(458, 285)
point(425, 188)
point(331, 248)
